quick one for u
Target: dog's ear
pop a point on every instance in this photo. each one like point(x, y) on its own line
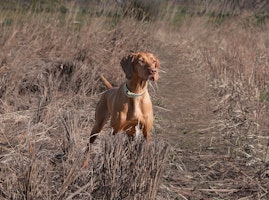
point(127, 64)
point(157, 63)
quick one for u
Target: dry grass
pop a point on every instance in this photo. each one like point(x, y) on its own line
point(233, 159)
point(237, 59)
point(49, 69)
point(234, 57)
point(45, 169)
point(49, 86)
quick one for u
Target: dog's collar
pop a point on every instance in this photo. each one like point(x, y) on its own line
point(130, 94)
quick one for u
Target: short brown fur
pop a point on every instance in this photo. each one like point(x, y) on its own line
point(127, 112)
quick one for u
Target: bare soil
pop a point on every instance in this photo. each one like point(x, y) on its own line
point(200, 163)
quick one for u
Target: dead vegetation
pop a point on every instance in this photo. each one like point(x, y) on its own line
point(238, 66)
point(229, 158)
point(49, 86)
point(44, 169)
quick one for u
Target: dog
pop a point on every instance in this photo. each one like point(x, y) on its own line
point(129, 105)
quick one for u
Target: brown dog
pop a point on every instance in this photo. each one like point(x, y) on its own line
point(129, 105)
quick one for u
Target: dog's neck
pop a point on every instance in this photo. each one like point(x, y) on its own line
point(137, 86)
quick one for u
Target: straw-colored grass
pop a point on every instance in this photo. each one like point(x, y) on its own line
point(50, 60)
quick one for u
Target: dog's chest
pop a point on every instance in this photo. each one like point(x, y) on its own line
point(136, 111)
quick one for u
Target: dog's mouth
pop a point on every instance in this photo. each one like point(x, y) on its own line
point(151, 78)
point(152, 75)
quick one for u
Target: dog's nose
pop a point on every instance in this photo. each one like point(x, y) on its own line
point(153, 71)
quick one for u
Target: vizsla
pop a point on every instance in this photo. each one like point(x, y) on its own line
point(129, 105)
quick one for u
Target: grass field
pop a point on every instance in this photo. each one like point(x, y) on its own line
point(51, 55)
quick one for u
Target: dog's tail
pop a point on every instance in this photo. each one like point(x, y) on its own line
point(108, 85)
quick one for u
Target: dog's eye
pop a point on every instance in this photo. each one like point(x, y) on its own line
point(142, 62)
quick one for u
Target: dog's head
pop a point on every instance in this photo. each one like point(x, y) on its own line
point(142, 64)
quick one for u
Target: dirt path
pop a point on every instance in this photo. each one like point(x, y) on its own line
point(185, 123)
point(199, 164)
point(185, 93)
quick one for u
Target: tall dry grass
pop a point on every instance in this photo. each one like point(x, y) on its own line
point(233, 56)
point(237, 59)
point(49, 86)
point(232, 52)
point(127, 170)
point(49, 68)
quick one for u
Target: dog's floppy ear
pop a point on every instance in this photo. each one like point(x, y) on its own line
point(157, 63)
point(127, 64)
